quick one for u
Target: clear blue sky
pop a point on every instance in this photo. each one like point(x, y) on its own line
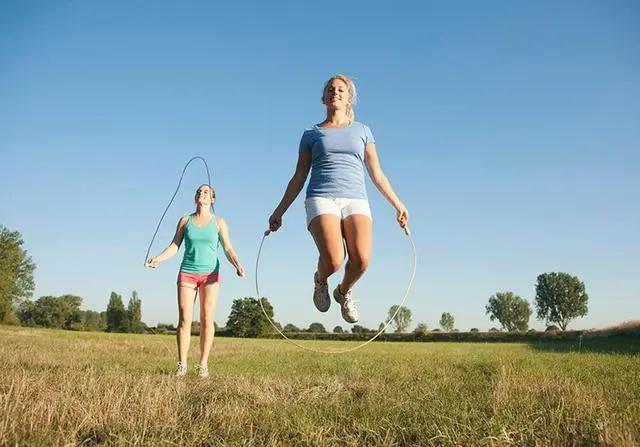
point(510, 129)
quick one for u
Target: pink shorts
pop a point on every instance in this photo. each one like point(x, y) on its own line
point(198, 278)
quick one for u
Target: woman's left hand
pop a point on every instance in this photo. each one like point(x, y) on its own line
point(402, 215)
point(240, 270)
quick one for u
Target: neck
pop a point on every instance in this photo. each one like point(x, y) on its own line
point(337, 118)
point(203, 210)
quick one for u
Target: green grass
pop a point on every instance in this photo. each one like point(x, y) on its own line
point(69, 388)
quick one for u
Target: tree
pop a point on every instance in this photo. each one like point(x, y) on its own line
point(510, 310)
point(402, 317)
point(317, 328)
point(62, 312)
point(16, 274)
point(560, 298)
point(421, 329)
point(134, 314)
point(446, 321)
point(357, 329)
point(94, 321)
point(116, 314)
point(247, 319)
point(291, 328)
point(338, 330)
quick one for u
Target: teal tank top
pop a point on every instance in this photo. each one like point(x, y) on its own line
point(200, 247)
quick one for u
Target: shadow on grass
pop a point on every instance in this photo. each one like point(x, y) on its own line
point(626, 344)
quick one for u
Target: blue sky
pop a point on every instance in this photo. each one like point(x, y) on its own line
point(511, 131)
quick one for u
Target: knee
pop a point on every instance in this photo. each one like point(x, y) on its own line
point(360, 262)
point(333, 263)
point(184, 321)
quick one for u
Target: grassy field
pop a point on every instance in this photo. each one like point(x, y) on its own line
point(70, 388)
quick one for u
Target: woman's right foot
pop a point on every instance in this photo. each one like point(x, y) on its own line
point(181, 369)
point(321, 297)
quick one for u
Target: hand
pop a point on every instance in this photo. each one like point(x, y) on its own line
point(275, 221)
point(240, 270)
point(152, 263)
point(402, 215)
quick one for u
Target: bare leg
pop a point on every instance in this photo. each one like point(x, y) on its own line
point(357, 230)
point(186, 295)
point(327, 235)
point(208, 300)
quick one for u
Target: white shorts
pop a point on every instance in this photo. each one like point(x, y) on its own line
point(342, 208)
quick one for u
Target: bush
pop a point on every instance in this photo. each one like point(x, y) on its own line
point(552, 328)
point(474, 329)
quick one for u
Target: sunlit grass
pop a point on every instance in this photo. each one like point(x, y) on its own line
point(69, 388)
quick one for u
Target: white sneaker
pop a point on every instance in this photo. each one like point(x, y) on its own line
point(202, 371)
point(321, 297)
point(348, 306)
point(181, 369)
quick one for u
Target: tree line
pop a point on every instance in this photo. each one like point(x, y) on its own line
point(559, 299)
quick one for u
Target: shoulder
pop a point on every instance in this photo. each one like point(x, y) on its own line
point(183, 220)
point(361, 126)
point(221, 222)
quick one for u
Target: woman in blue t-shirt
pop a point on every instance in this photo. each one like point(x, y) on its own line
point(337, 151)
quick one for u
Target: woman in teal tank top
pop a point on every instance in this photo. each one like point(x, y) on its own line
point(203, 233)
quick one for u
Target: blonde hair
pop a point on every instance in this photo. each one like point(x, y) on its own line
point(351, 87)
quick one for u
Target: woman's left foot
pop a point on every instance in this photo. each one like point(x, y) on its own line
point(348, 306)
point(202, 371)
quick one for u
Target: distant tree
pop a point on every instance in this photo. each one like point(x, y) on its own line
point(437, 329)
point(291, 328)
point(510, 310)
point(474, 329)
point(62, 312)
point(402, 318)
point(382, 327)
point(552, 328)
point(357, 329)
point(247, 319)
point(446, 321)
point(116, 314)
point(421, 329)
point(134, 314)
point(316, 328)
point(16, 275)
point(195, 327)
point(560, 298)
point(494, 330)
point(338, 330)
point(93, 321)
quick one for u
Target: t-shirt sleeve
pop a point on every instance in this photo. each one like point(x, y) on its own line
point(305, 142)
point(368, 136)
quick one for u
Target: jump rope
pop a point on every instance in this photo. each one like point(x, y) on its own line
point(257, 283)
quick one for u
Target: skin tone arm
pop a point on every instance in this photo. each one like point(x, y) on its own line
point(293, 189)
point(172, 248)
point(228, 248)
point(382, 183)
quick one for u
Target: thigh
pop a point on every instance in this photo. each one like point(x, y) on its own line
point(358, 234)
point(208, 298)
point(327, 234)
point(186, 296)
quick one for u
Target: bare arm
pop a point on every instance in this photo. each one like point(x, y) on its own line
point(382, 183)
point(173, 247)
point(229, 252)
point(293, 189)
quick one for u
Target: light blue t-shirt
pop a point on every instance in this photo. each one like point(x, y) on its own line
point(337, 160)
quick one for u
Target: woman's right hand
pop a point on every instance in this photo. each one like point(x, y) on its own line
point(152, 263)
point(275, 221)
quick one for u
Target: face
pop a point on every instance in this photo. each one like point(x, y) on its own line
point(336, 94)
point(204, 195)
